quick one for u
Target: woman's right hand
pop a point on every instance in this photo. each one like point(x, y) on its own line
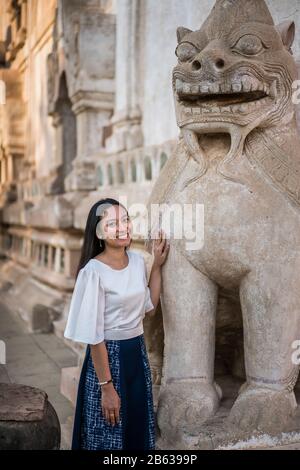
point(160, 249)
point(111, 403)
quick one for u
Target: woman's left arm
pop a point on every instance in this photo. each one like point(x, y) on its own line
point(160, 251)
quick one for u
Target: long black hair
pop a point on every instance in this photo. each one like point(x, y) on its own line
point(92, 245)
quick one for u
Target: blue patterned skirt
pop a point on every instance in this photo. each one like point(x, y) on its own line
point(130, 370)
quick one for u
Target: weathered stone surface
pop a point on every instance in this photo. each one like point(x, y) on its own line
point(42, 318)
point(28, 421)
point(21, 403)
point(238, 155)
point(218, 433)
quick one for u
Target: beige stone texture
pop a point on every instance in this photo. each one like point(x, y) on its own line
point(238, 155)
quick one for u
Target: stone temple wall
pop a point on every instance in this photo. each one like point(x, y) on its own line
point(89, 113)
point(153, 54)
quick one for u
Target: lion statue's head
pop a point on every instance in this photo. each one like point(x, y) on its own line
point(234, 74)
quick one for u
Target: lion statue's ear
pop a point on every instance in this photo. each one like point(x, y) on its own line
point(181, 32)
point(286, 29)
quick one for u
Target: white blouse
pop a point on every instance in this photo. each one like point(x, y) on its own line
point(109, 303)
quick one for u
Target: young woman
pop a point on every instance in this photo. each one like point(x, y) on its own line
point(114, 407)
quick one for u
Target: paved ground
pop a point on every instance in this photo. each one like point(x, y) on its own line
point(36, 360)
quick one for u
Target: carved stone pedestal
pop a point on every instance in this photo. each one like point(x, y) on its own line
point(218, 433)
point(28, 421)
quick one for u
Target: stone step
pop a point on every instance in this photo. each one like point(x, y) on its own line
point(66, 434)
point(69, 383)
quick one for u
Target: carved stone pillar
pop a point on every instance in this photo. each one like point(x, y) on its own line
point(84, 47)
point(12, 123)
point(126, 122)
point(18, 20)
point(92, 115)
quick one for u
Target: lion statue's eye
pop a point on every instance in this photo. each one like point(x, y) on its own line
point(249, 45)
point(185, 51)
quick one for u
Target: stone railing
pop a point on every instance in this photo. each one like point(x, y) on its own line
point(135, 166)
point(51, 257)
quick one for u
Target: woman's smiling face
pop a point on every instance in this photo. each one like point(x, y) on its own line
point(116, 226)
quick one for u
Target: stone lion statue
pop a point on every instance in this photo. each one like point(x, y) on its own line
point(239, 155)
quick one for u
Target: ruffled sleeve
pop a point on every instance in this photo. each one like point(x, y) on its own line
point(85, 322)
point(148, 302)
